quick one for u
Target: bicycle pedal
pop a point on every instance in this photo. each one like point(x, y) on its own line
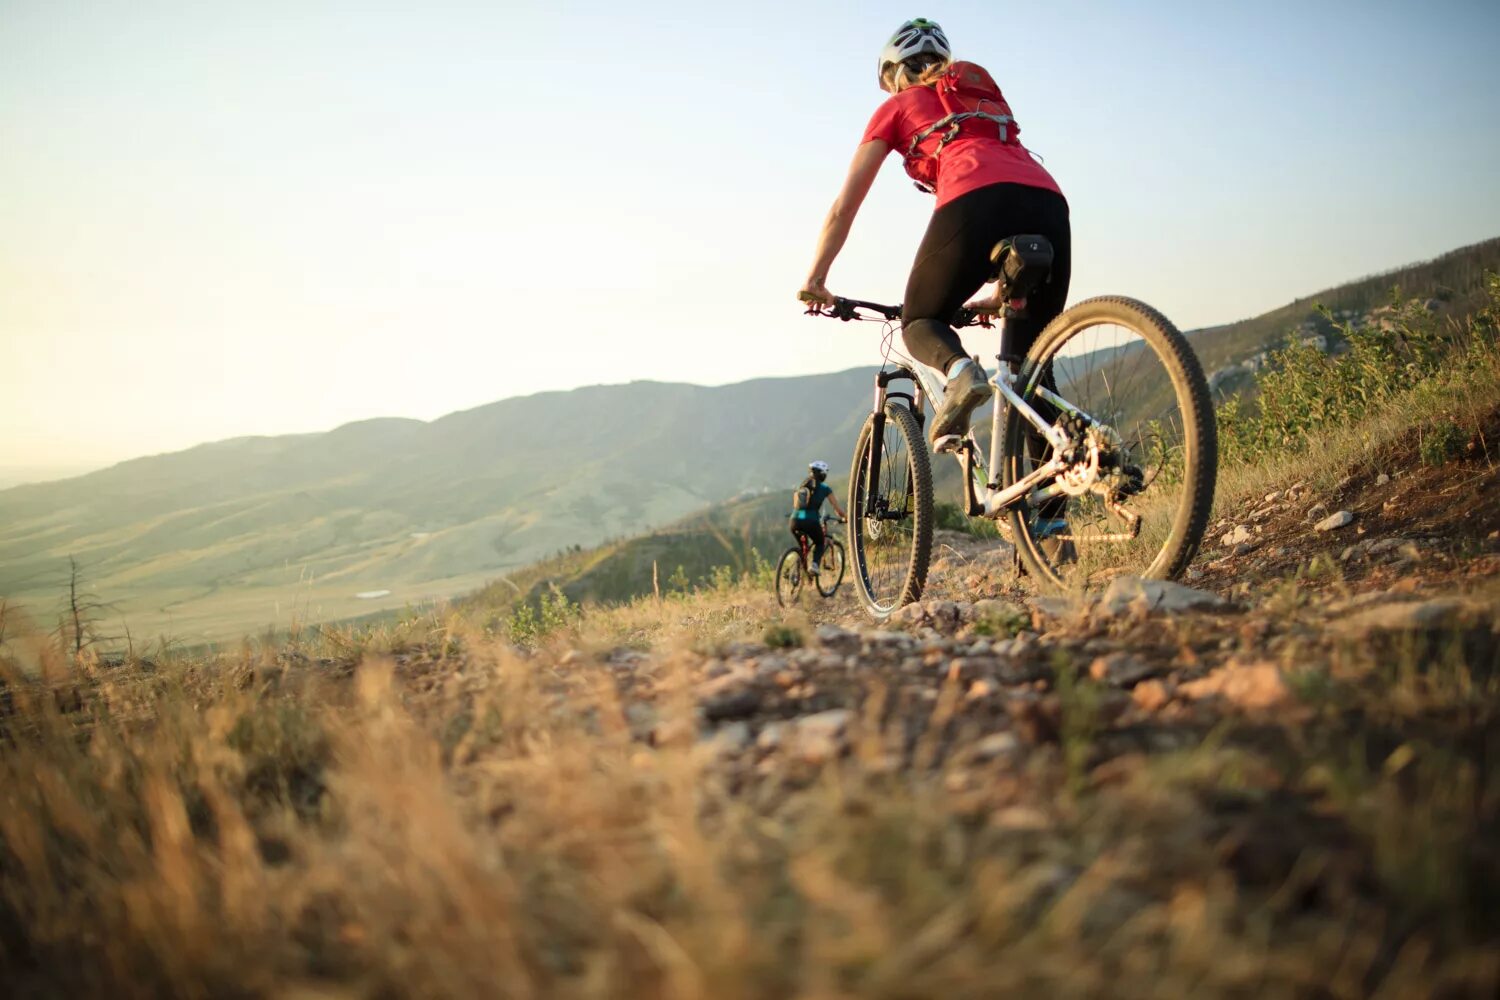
point(948, 444)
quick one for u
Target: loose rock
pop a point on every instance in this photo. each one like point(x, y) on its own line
point(1123, 669)
point(1439, 614)
point(1128, 592)
point(1339, 519)
point(997, 746)
point(1250, 686)
point(1150, 696)
point(1241, 533)
point(821, 737)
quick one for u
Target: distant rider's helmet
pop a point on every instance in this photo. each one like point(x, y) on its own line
point(916, 37)
point(819, 470)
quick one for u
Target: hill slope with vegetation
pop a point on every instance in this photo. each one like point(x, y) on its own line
point(210, 540)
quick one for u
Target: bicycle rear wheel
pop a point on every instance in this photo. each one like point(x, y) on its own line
point(789, 578)
point(832, 569)
point(1126, 367)
point(890, 516)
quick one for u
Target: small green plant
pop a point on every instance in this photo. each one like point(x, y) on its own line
point(1441, 443)
point(721, 579)
point(780, 635)
point(1079, 700)
point(762, 571)
point(528, 625)
point(951, 517)
point(1005, 623)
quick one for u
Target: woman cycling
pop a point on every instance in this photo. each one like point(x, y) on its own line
point(988, 188)
point(807, 500)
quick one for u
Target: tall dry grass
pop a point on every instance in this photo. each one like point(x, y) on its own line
point(465, 819)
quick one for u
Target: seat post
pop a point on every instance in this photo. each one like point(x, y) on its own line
point(1007, 357)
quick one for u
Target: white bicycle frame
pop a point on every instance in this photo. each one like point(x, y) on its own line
point(984, 495)
point(993, 499)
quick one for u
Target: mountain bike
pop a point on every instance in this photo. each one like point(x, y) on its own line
point(792, 569)
point(1102, 450)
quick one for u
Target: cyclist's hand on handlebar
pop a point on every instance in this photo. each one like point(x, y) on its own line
point(986, 304)
point(815, 292)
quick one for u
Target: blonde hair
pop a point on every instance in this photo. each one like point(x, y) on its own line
point(913, 72)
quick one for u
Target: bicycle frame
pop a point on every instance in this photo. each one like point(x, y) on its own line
point(804, 546)
point(989, 500)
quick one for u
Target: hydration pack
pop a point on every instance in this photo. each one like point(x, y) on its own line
point(972, 105)
point(803, 495)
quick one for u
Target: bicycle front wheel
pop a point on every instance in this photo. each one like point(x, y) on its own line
point(789, 578)
point(1135, 494)
point(890, 512)
point(832, 569)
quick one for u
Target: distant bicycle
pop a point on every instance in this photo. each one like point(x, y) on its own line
point(1102, 448)
point(792, 570)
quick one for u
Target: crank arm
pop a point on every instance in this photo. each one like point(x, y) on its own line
point(1131, 518)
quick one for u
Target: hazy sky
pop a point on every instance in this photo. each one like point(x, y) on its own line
point(222, 218)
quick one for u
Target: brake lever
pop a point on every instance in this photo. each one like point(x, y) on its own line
point(973, 317)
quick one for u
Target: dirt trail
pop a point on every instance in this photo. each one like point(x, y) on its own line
point(1289, 641)
point(1278, 601)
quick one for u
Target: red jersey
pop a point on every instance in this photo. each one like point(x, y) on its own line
point(967, 163)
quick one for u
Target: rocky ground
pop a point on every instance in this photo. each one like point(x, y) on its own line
point(1291, 585)
point(1307, 730)
point(1279, 777)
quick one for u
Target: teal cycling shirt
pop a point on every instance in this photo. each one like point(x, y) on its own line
point(821, 493)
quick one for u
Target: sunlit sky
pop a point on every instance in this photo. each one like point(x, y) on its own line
point(221, 218)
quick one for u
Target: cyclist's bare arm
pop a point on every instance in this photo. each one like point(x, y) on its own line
point(867, 160)
point(835, 501)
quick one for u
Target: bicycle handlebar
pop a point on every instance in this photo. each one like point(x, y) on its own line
point(848, 309)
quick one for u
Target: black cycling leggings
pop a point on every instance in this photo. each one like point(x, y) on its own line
point(954, 261)
point(814, 532)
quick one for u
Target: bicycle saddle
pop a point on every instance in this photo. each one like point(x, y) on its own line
point(1020, 264)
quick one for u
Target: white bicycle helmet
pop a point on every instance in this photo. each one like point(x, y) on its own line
point(914, 38)
point(819, 466)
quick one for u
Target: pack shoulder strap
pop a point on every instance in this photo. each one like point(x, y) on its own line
point(948, 87)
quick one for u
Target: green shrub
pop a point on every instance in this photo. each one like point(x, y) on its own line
point(951, 517)
point(1441, 442)
point(780, 635)
point(1005, 624)
point(529, 625)
point(1301, 390)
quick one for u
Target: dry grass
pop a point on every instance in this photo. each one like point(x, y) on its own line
point(452, 817)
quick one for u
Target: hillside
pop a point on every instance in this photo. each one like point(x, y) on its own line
point(224, 536)
point(1454, 282)
point(738, 536)
point(238, 535)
